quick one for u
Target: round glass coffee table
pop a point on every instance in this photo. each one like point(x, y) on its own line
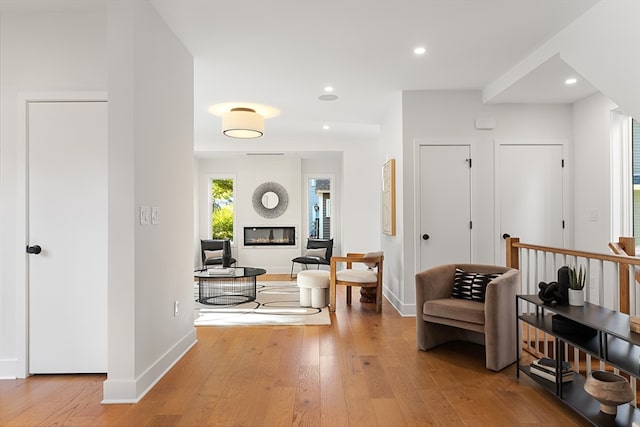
point(227, 286)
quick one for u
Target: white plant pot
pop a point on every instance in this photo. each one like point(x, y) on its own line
point(576, 297)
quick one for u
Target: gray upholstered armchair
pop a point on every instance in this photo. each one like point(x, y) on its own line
point(441, 318)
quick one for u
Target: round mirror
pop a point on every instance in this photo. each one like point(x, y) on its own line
point(270, 200)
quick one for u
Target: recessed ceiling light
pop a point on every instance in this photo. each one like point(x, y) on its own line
point(328, 97)
point(571, 81)
point(326, 127)
point(328, 88)
point(420, 50)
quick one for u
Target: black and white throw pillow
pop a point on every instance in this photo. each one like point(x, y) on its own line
point(471, 286)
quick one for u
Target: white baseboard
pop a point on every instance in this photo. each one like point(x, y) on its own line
point(132, 390)
point(405, 310)
point(8, 369)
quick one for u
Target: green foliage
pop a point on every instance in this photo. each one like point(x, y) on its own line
point(576, 277)
point(221, 192)
point(222, 209)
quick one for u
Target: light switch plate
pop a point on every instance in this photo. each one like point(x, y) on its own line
point(145, 215)
point(155, 215)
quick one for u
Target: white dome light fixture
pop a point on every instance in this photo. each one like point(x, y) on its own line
point(243, 123)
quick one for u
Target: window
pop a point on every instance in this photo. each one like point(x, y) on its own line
point(625, 177)
point(635, 165)
point(222, 215)
point(319, 207)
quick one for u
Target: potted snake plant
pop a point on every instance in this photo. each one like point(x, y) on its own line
point(576, 285)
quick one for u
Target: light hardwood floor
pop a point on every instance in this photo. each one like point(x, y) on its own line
point(363, 370)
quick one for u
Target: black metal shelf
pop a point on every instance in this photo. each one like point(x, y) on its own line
point(614, 344)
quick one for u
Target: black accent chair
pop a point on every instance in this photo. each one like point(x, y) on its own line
point(313, 254)
point(218, 248)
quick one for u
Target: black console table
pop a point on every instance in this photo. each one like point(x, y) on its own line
point(613, 343)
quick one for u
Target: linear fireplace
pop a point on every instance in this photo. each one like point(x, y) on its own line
point(269, 236)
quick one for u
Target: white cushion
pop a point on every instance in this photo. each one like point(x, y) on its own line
point(213, 254)
point(313, 279)
point(357, 276)
point(372, 255)
point(319, 252)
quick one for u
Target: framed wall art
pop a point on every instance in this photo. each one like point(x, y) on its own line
point(389, 198)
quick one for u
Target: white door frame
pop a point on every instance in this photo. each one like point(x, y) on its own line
point(417, 143)
point(566, 185)
point(22, 211)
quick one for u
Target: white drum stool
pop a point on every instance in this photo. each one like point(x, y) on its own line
point(314, 288)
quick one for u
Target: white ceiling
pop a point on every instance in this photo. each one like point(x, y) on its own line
point(283, 53)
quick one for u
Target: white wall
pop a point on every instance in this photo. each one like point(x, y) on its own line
point(393, 245)
point(592, 168)
point(41, 54)
point(599, 46)
point(451, 115)
point(150, 164)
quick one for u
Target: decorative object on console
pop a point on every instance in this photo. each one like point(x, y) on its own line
point(546, 368)
point(556, 293)
point(564, 326)
point(576, 285)
point(563, 284)
point(609, 389)
point(550, 293)
point(270, 200)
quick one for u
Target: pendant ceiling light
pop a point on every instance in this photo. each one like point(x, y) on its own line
point(242, 123)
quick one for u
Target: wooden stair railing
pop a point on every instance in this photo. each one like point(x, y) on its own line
point(626, 246)
point(623, 257)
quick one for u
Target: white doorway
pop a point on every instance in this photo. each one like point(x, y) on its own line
point(530, 188)
point(67, 219)
point(444, 191)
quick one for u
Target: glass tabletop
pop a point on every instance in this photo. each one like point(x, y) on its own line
point(222, 272)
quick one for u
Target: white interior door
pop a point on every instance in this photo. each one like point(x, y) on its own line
point(530, 195)
point(445, 205)
point(67, 218)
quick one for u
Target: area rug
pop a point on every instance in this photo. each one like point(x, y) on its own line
point(277, 303)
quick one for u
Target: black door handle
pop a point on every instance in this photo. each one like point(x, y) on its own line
point(35, 249)
point(425, 237)
point(505, 236)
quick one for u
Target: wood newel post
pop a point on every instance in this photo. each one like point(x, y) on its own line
point(513, 255)
point(628, 244)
